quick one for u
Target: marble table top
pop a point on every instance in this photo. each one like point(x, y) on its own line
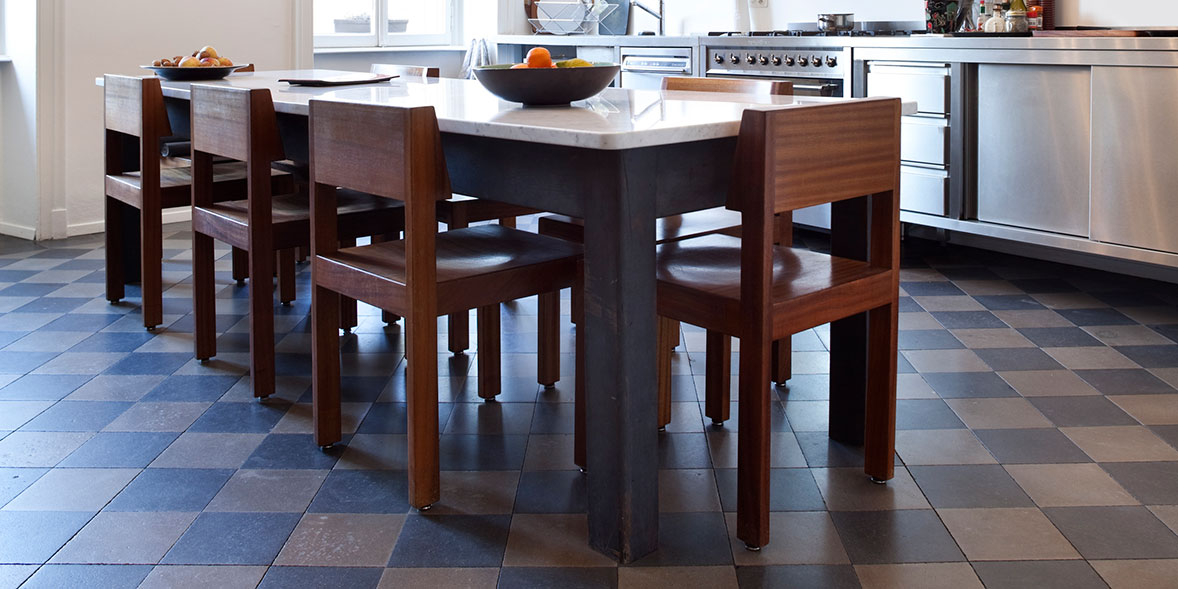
point(614, 119)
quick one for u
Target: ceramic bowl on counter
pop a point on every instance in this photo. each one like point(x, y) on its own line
point(546, 86)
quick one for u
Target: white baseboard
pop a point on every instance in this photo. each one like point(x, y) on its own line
point(170, 216)
point(17, 230)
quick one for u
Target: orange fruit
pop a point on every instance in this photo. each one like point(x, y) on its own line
point(539, 57)
point(520, 66)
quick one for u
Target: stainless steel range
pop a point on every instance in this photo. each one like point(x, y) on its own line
point(814, 71)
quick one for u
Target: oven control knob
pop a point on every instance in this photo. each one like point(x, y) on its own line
point(764, 60)
point(803, 60)
point(776, 60)
point(831, 61)
point(718, 58)
point(789, 60)
point(733, 58)
point(750, 59)
point(815, 61)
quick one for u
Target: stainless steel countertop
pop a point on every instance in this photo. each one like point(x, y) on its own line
point(600, 40)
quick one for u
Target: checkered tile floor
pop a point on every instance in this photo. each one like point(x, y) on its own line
point(1038, 446)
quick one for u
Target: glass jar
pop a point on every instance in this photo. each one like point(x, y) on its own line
point(1016, 21)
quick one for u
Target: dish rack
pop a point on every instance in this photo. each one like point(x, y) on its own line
point(569, 18)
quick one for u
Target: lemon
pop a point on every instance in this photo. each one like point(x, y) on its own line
point(576, 62)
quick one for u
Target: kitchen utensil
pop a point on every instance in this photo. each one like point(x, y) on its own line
point(617, 22)
point(939, 16)
point(830, 23)
point(191, 74)
point(546, 86)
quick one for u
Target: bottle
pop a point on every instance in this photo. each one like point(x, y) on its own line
point(996, 23)
point(983, 15)
point(1018, 5)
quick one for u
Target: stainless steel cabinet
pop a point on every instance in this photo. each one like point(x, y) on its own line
point(1135, 163)
point(1034, 135)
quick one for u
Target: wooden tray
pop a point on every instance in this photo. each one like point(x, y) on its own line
point(342, 80)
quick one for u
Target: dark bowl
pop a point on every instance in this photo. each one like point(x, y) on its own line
point(191, 74)
point(546, 86)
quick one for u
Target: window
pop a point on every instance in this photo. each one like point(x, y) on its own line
point(379, 23)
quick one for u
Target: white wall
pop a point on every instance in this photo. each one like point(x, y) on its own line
point(116, 36)
point(1123, 13)
point(19, 206)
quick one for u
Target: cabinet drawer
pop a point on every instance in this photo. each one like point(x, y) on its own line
point(924, 190)
point(924, 140)
point(926, 84)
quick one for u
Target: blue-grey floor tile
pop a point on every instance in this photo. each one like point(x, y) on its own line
point(119, 450)
point(1059, 337)
point(684, 451)
point(242, 418)
point(790, 489)
point(321, 577)
point(890, 537)
point(107, 341)
point(107, 576)
point(362, 491)
point(1030, 446)
point(928, 339)
point(1044, 574)
point(391, 418)
point(1101, 316)
point(294, 451)
point(473, 452)
point(31, 537)
point(191, 388)
point(955, 385)
point(170, 489)
point(233, 538)
point(563, 577)
point(1152, 356)
point(42, 387)
point(1008, 302)
point(452, 541)
point(15, 480)
point(1126, 382)
point(928, 289)
point(968, 319)
point(77, 416)
point(551, 491)
point(969, 486)
point(925, 414)
point(29, 289)
point(150, 363)
point(52, 305)
point(690, 539)
point(23, 362)
point(82, 322)
point(824, 576)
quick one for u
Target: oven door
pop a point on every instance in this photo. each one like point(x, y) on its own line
point(802, 86)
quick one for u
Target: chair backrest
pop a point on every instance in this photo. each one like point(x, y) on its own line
point(134, 107)
point(405, 71)
point(736, 85)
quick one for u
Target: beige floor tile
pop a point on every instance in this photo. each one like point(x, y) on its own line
point(848, 489)
point(1069, 485)
point(1048, 383)
point(39, 449)
point(125, 538)
point(463, 578)
point(342, 539)
point(1149, 409)
point(1126, 335)
point(919, 320)
point(12, 575)
point(73, 489)
point(784, 451)
point(958, 575)
point(549, 452)
point(1137, 574)
point(1120, 444)
point(944, 446)
point(1168, 514)
point(476, 492)
point(1033, 318)
point(803, 363)
point(297, 419)
point(946, 361)
point(551, 540)
point(1170, 375)
point(913, 386)
point(798, 537)
point(268, 490)
point(1000, 413)
point(711, 577)
point(14, 414)
point(1068, 300)
point(208, 450)
point(949, 303)
point(921, 275)
point(203, 577)
point(987, 287)
point(1006, 534)
point(1090, 358)
point(682, 490)
point(992, 338)
point(158, 417)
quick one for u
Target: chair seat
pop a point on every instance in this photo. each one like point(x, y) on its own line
point(808, 287)
point(176, 184)
point(360, 214)
point(476, 266)
point(671, 228)
point(468, 209)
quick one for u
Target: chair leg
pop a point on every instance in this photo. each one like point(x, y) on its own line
point(301, 254)
point(286, 276)
point(507, 222)
point(241, 265)
point(548, 347)
point(490, 361)
point(325, 366)
point(115, 275)
point(151, 264)
point(348, 318)
point(782, 368)
point(717, 377)
point(458, 324)
point(261, 298)
point(421, 384)
point(675, 330)
point(879, 444)
point(576, 309)
point(666, 332)
point(386, 316)
point(204, 302)
point(579, 380)
point(752, 503)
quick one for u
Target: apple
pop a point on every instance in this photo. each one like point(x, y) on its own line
point(189, 62)
point(207, 51)
point(210, 62)
point(226, 62)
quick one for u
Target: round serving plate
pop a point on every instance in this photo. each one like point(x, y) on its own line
point(191, 74)
point(546, 86)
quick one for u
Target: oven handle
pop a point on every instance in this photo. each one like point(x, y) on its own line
point(813, 87)
point(656, 70)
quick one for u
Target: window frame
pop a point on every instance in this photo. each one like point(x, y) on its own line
point(381, 37)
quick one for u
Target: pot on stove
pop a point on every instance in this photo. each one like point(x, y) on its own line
point(833, 23)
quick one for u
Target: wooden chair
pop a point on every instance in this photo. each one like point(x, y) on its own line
point(716, 220)
point(787, 159)
point(241, 124)
point(458, 212)
point(139, 183)
point(396, 153)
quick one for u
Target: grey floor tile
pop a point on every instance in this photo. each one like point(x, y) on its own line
point(72, 575)
point(1081, 411)
point(321, 577)
point(470, 541)
point(975, 485)
point(880, 537)
point(233, 538)
point(1048, 574)
point(790, 489)
point(1031, 446)
point(831, 576)
point(31, 537)
point(1152, 483)
point(1115, 532)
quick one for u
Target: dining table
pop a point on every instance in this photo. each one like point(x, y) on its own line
point(618, 160)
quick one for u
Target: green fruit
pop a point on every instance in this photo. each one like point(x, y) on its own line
point(576, 62)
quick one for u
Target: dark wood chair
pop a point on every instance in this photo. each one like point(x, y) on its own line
point(460, 211)
point(787, 159)
point(716, 220)
point(240, 124)
point(140, 184)
point(396, 153)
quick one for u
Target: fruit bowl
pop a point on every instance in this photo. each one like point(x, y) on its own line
point(191, 74)
point(546, 86)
